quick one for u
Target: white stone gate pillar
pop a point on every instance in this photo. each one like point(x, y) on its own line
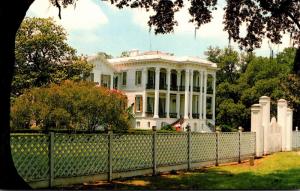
point(289, 129)
point(264, 101)
point(281, 118)
point(256, 126)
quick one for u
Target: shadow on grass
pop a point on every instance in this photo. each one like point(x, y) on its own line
point(206, 179)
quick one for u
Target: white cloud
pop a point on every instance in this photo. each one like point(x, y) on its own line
point(141, 17)
point(86, 15)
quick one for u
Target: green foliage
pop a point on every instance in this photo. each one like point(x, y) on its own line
point(227, 61)
point(43, 56)
point(167, 128)
point(124, 54)
point(244, 78)
point(105, 55)
point(71, 105)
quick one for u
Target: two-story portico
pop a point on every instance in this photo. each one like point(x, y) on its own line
point(165, 88)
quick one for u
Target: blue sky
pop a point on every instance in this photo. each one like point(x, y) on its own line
point(94, 26)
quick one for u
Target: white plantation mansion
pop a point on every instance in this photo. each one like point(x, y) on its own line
point(163, 88)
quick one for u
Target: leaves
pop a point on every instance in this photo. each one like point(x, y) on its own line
point(243, 78)
point(43, 56)
point(71, 105)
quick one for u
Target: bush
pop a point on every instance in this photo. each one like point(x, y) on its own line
point(70, 105)
point(167, 128)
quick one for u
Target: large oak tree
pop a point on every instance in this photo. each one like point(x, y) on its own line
point(264, 18)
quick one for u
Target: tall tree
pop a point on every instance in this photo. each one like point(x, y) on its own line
point(43, 56)
point(264, 18)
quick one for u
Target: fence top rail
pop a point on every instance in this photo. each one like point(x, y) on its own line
point(127, 133)
point(27, 134)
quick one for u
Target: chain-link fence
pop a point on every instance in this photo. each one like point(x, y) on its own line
point(46, 160)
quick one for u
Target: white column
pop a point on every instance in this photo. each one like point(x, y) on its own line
point(178, 95)
point(204, 93)
point(186, 95)
point(264, 101)
point(214, 98)
point(281, 116)
point(168, 92)
point(156, 98)
point(201, 94)
point(289, 129)
point(111, 81)
point(144, 81)
point(99, 74)
point(256, 126)
point(191, 94)
point(144, 78)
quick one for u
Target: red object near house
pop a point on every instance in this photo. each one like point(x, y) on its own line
point(178, 127)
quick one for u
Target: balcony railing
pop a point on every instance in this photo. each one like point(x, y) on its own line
point(181, 88)
point(196, 89)
point(208, 116)
point(173, 115)
point(163, 86)
point(174, 88)
point(162, 115)
point(209, 90)
point(149, 113)
point(150, 86)
point(195, 115)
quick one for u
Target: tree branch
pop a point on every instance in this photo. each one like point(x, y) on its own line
point(294, 19)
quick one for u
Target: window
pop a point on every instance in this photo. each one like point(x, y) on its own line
point(151, 77)
point(148, 124)
point(138, 124)
point(138, 103)
point(138, 77)
point(124, 78)
point(150, 104)
point(116, 82)
point(105, 81)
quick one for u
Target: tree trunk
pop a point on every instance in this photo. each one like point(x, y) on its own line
point(11, 14)
point(297, 62)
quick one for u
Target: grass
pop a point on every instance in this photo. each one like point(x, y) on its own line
point(276, 171)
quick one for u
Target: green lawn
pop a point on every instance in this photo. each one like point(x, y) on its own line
point(276, 171)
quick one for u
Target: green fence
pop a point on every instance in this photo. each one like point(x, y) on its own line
point(46, 160)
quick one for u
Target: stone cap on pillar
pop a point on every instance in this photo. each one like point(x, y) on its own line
point(256, 107)
point(282, 102)
point(264, 99)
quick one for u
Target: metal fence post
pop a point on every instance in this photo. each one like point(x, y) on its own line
point(51, 159)
point(240, 134)
point(217, 148)
point(189, 145)
point(110, 153)
point(154, 144)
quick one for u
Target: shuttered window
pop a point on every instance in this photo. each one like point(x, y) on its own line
point(138, 103)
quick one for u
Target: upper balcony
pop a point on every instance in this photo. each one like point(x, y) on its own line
point(163, 86)
point(196, 89)
point(176, 80)
point(150, 86)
